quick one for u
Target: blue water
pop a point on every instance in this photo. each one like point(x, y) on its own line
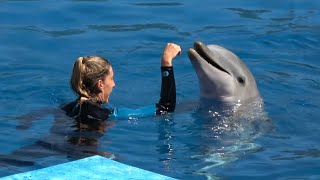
point(278, 40)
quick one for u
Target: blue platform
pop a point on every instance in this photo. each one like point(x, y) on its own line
point(95, 167)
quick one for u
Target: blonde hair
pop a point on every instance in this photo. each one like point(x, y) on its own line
point(86, 73)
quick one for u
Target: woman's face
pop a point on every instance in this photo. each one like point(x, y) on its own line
point(107, 86)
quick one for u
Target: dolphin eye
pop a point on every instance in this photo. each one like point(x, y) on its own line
point(241, 80)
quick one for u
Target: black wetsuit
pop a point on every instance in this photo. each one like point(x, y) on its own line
point(91, 112)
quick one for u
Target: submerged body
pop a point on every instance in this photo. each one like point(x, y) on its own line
point(229, 98)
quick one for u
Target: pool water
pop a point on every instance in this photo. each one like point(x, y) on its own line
point(278, 41)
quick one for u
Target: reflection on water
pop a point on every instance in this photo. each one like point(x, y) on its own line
point(214, 136)
point(66, 138)
point(165, 147)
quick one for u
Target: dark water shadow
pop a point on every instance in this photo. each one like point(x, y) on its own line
point(68, 139)
point(90, 0)
point(297, 154)
point(137, 27)
point(59, 33)
point(250, 14)
point(158, 4)
point(222, 28)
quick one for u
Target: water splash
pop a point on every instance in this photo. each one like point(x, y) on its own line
point(229, 133)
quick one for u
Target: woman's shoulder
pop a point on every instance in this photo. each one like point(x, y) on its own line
point(87, 111)
point(93, 110)
point(71, 108)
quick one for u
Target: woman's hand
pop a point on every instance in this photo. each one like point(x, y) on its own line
point(169, 52)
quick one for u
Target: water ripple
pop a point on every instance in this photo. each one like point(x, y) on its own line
point(282, 19)
point(294, 27)
point(312, 83)
point(251, 14)
point(157, 4)
point(298, 154)
point(136, 27)
point(58, 33)
point(91, 0)
point(298, 64)
point(231, 27)
point(280, 41)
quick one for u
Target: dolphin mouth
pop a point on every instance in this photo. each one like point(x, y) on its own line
point(200, 50)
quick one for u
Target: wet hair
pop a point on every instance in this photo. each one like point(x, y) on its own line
point(86, 73)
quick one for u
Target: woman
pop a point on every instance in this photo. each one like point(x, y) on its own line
point(92, 81)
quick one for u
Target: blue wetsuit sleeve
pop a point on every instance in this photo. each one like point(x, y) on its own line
point(127, 113)
point(167, 102)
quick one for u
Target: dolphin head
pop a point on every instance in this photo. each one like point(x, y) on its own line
point(222, 75)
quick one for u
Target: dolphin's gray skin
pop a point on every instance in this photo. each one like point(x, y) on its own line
point(222, 75)
point(231, 126)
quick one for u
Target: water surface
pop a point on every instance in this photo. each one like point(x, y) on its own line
point(278, 40)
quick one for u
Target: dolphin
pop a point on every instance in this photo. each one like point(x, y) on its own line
point(231, 113)
point(222, 75)
point(229, 96)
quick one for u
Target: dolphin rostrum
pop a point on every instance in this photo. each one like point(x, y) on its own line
point(222, 75)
